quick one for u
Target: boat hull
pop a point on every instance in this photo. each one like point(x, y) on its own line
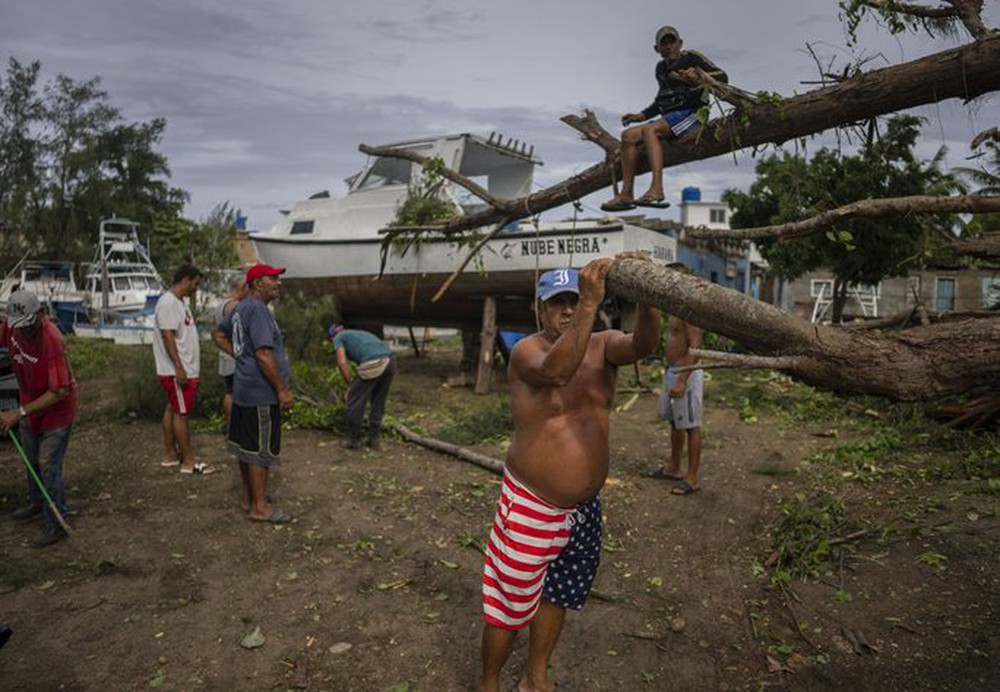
point(505, 269)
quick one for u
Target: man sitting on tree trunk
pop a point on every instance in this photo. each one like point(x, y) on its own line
point(679, 75)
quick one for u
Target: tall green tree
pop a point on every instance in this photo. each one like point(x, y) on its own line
point(69, 159)
point(859, 251)
point(20, 156)
point(985, 180)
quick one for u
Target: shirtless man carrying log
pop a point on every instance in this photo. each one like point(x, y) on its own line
point(545, 543)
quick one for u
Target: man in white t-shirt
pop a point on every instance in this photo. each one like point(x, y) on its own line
point(178, 355)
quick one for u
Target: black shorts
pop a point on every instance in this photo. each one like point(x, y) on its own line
point(255, 434)
point(228, 382)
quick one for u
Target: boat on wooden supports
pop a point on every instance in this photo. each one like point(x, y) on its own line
point(333, 245)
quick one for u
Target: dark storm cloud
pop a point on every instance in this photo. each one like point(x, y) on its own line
point(266, 102)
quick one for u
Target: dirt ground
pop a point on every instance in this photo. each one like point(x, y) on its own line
point(375, 585)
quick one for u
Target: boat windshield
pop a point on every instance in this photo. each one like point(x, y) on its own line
point(386, 172)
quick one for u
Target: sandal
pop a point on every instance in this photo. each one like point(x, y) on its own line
point(661, 474)
point(277, 517)
point(200, 468)
point(653, 202)
point(616, 205)
point(684, 488)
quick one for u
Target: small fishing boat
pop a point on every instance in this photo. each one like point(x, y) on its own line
point(53, 283)
point(122, 286)
point(122, 278)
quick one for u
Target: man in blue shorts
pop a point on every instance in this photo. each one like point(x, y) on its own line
point(673, 113)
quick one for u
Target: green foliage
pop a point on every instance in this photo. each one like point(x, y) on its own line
point(209, 245)
point(321, 395)
point(894, 17)
point(867, 458)
point(775, 393)
point(69, 159)
point(317, 415)
point(802, 538)
point(89, 357)
point(423, 204)
point(986, 177)
point(858, 251)
point(853, 13)
point(303, 321)
point(487, 424)
point(142, 395)
point(935, 560)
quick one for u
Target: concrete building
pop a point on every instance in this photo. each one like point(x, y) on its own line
point(938, 289)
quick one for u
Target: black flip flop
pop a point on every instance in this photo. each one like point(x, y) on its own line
point(683, 488)
point(617, 205)
point(652, 203)
point(660, 474)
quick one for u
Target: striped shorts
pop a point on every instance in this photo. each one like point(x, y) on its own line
point(681, 121)
point(528, 533)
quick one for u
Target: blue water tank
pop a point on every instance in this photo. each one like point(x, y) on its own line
point(691, 194)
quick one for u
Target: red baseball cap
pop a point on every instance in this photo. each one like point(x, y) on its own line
point(259, 270)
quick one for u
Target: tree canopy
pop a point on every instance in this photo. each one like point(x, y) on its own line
point(857, 251)
point(69, 158)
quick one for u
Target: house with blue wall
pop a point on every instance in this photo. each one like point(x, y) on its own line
point(733, 264)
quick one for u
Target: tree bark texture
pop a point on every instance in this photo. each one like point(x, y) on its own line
point(917, 364)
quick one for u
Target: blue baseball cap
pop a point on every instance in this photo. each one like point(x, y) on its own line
point(557, 281)
point(334, 329)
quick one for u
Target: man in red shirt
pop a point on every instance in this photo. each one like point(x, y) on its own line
point(48, 404)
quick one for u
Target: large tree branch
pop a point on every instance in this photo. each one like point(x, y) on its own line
point(965, 72)
point(986, 246)
point(863, 209)
point(453, 176)
point(968, 12)
point(920, 363)
point(721, 359)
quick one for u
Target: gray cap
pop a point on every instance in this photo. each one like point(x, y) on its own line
point(22, 309)
point(667, 32)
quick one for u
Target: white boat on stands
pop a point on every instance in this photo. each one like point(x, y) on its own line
point(123, 286)
point(331, 245)
point(122, 277)
point(53, 283)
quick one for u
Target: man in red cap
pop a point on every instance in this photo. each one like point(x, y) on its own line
point(260, 388)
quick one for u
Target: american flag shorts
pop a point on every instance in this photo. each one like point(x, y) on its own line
point(528, 533)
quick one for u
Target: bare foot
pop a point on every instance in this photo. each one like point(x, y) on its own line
point(526, 684)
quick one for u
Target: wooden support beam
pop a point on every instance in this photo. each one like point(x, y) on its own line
point(413, 343)
point(487, 345)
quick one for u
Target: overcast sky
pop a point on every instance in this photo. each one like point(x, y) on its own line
point(266, 101)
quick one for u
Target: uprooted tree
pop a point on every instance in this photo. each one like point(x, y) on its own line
point(959, 356)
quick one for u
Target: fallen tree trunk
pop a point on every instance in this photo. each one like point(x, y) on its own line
point(965, 72)
point(922, 363)
point(481, 460)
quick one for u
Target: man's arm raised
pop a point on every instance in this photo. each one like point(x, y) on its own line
point(556, 365)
